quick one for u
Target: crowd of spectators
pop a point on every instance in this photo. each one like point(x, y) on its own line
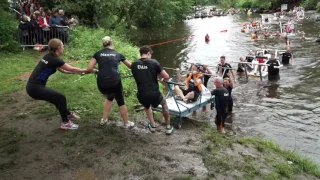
point(40, 24)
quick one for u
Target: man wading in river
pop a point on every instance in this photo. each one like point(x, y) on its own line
point(224, 69)
point(145, 72)
point(221, 103)
point(273, 69)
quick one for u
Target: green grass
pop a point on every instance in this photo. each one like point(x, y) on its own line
point(281, 164)
point(14, 65)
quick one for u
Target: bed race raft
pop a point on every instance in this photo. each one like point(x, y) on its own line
point(180, 109)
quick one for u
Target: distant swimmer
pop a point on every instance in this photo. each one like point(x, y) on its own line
point(287, 57)
point(254, 35)
point(243, 30)
point(254, 24)
point(207, 38)
point(266, 33)
point(277, 34)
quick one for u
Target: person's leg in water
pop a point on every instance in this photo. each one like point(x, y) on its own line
point(166, 115)
point(206, 79)
point(230, 105)
point(220, 122)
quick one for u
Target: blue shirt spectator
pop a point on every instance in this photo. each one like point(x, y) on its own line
point(55, 20)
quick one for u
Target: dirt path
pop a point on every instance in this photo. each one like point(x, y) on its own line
point(32, 147)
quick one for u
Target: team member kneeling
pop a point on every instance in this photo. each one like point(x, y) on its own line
point(145, 72)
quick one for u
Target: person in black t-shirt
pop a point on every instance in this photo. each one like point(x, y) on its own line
point(225, 69)
point(221, 103)
point(286, 57)
point(36, 86)
point(145, 72)
point(227, 83)
point(241, 66)
point(108, 79)
point(273, 68)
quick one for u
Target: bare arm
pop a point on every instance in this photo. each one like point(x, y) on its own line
point(69, 68)
point(208, 70)
point(91, 65)
point(231, 83)
point(164, 75)
point(234, 75)
point(196, 81)
point(65, 72)
point(127, 63)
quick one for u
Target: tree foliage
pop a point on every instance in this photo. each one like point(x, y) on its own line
point(311, 4)
point(141, 13)
point(8, 28)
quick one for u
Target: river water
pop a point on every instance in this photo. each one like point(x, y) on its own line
point(287, 112)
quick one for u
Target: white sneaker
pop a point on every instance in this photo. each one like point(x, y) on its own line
point(102, 121)
point(69, 125)
point(130, 125)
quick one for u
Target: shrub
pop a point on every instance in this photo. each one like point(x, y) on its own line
point(8, 29)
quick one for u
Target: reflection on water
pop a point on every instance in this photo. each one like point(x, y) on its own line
point(287, 111)
point(272, 91)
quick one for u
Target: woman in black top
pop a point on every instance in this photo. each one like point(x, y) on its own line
point(36, 86)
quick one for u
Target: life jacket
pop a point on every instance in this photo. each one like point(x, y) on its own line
point(197, 77)
point(207, 38)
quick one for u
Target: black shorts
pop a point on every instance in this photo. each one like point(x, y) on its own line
point(150, 100)
point(113, 90)
point(196, 93)
point(206, 79)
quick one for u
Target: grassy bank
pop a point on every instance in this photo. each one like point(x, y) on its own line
point(253, 158)
point(81, 91)
point(29, 135)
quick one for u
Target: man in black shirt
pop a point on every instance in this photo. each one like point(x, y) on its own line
point(221, 103)
point(249, 58)
point(273, 68)
point(145, 72)
point(241, 66)
point(108, 80)
point(286, 57)
point(225, 69)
